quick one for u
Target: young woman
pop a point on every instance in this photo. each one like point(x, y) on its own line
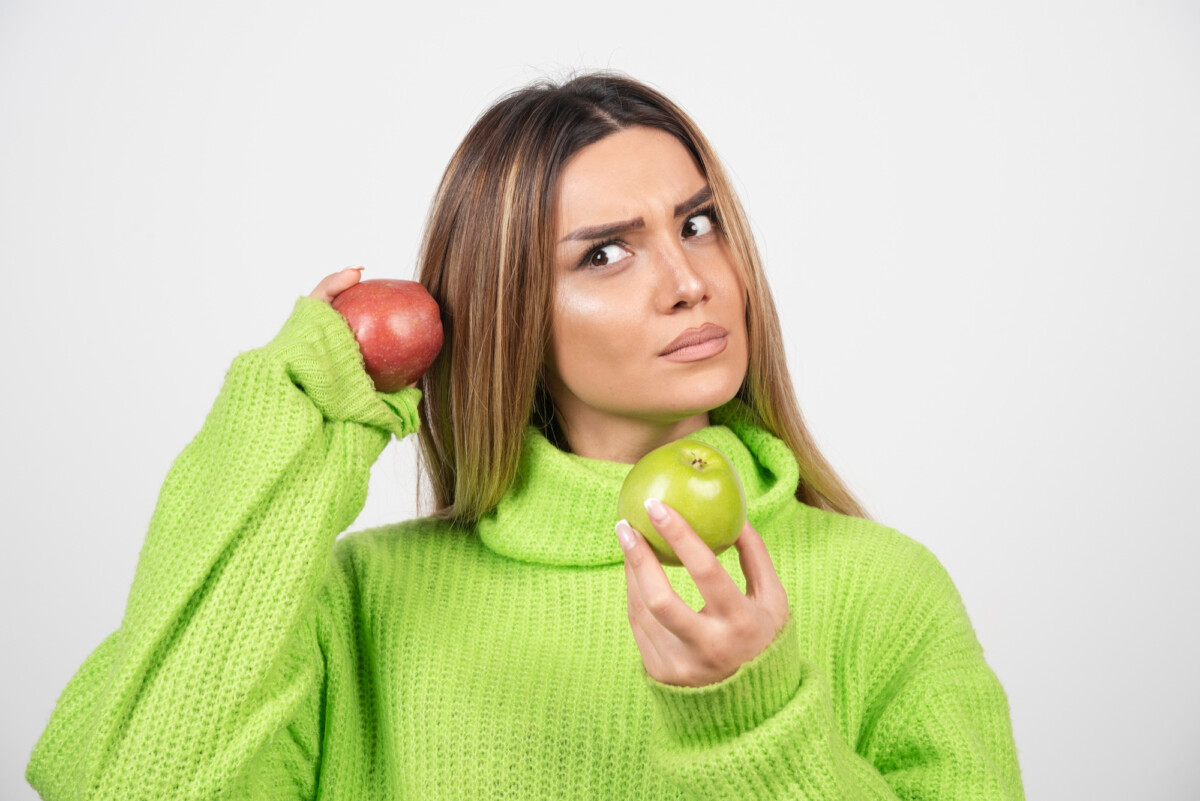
point(601, 296)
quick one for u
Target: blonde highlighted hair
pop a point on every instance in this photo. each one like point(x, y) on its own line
point(487, 257)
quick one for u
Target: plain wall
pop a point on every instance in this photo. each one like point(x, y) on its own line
point(981, 223)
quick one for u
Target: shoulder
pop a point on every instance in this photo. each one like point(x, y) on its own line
point(395, 545)
point(879, 560)
point(868, 541)
point(877, 587)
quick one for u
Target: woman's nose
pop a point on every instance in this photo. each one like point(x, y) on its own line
point(681, 284)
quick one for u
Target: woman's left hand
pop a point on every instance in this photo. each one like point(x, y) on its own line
point(692, 649)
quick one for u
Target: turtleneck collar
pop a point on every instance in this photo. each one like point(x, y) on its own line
point(562, 507)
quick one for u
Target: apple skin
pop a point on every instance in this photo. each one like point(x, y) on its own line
point(694, 479)
point(398, 326)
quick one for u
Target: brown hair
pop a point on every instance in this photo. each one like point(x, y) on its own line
point(487, 257)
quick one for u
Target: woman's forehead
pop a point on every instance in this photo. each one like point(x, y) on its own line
point(630, 173)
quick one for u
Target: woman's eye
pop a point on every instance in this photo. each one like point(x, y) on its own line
point(604, 255)
point(694, 228)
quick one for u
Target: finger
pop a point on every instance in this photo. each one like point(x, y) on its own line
point(762, 582)
point(639, 621)
point(321, 290)
point(341, 281)
point(720, 591)
point(655, 632)
point(656, 592)
point(333, 285)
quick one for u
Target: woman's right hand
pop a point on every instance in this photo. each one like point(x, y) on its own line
point(334, 284)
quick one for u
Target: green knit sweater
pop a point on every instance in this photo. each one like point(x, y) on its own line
point(262, 657)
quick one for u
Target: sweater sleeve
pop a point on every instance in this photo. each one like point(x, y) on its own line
point(937, 728)
point(213, 684)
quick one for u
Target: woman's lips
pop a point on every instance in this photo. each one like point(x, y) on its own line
point(691, 353)
point(695, 336)
point(697, 343)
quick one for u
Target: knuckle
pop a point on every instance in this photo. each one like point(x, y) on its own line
point(783, 599)
point(709, 569)
point(659, 603)
point(745, 623)
point(710, 653)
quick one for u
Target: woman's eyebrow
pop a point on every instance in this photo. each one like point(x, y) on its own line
point(612, 229)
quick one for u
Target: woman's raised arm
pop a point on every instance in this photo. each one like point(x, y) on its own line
point(212, 685)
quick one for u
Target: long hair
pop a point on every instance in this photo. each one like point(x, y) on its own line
point(486, 258)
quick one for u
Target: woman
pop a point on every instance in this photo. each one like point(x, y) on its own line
point(507, 645)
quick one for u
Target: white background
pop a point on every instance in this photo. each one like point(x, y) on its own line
point(981, 222)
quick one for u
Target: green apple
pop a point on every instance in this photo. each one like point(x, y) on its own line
point(695, 480)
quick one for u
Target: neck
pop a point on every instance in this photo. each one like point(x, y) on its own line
point(595, 434)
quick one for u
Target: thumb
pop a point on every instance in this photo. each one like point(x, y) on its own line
point(333, 285)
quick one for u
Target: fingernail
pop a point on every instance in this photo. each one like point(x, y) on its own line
point(656, 510)
point(625, 535)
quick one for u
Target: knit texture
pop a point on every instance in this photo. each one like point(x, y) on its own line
point(262, 657)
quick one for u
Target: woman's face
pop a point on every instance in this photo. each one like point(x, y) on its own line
point(623, 296)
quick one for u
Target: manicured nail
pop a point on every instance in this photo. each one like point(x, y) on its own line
point(625, 535)
point(655, 509)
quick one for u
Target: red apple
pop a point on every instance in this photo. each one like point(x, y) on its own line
point(398, 326)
